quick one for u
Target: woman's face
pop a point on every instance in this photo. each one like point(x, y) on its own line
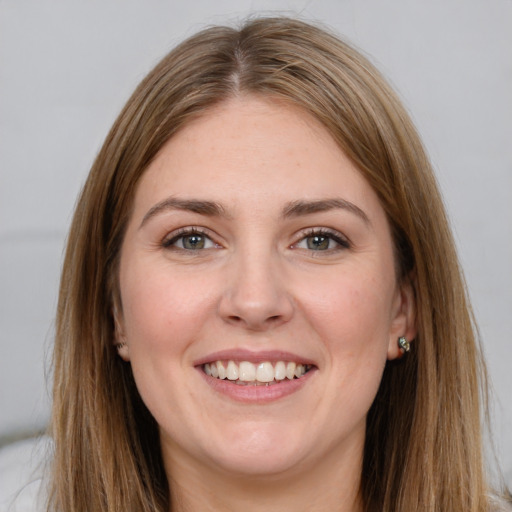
point(258, 253)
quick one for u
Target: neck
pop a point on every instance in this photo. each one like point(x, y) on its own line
point(331, 485)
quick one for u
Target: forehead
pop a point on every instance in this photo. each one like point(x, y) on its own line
point(252, 149)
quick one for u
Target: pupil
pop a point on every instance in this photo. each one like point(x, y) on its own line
point(193, 242)
point(318, 243)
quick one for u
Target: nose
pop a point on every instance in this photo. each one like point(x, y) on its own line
point(256, 296)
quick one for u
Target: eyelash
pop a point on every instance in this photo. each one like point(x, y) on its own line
point(338, 238)
point(168, 242)
point(341, 241)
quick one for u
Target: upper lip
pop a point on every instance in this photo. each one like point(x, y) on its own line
point(253, 356)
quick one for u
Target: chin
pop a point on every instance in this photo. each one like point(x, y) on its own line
point(260, 465)
point(258, 453)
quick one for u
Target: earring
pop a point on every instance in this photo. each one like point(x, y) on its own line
point(403, 345)
point(119, 346)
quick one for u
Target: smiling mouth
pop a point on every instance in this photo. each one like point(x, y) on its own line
point(264, 373)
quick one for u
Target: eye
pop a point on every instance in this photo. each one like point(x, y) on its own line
point(322, 240)
point(189, 239)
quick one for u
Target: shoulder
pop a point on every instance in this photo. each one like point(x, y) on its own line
point(499, 504)
point(22, 475)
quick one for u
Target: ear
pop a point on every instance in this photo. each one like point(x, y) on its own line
point(120, 341)
point(403, 322)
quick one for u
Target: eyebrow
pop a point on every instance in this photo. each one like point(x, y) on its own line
point(299, 208)
point(292, 209)
point(208, 208)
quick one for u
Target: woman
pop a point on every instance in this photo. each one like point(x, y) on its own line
point(261, 304)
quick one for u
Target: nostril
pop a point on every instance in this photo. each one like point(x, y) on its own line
point(256, 311)
point(255, 324)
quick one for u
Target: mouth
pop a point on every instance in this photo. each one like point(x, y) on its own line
point(264, 373)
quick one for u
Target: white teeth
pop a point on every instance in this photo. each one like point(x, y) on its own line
point(247, 371)
point(232, 371)
point(290, 370)
point(264, 373)
point(221, 370)
point(280, 371)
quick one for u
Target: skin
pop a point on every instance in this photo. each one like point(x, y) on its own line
point(258, 286)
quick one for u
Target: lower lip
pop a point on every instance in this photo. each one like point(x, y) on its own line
point(257, 394)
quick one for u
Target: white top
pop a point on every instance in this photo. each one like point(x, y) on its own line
point(21, 475)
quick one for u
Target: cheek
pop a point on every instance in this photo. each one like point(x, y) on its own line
point(163, 310)
point(352, 319)
point(163, 317)
point(349, 314)
point(349, 307)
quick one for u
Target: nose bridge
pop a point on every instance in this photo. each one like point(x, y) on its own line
point(256, 294)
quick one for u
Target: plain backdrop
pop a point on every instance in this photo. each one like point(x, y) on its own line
point(67, 67)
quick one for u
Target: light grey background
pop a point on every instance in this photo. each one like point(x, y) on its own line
point(67, 67)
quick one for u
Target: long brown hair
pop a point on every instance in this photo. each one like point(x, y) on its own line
point(423, 447)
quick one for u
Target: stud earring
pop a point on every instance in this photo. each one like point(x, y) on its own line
point(403, 344)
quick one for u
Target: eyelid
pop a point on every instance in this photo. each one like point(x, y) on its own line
point(341, 239)
point(172, 237)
